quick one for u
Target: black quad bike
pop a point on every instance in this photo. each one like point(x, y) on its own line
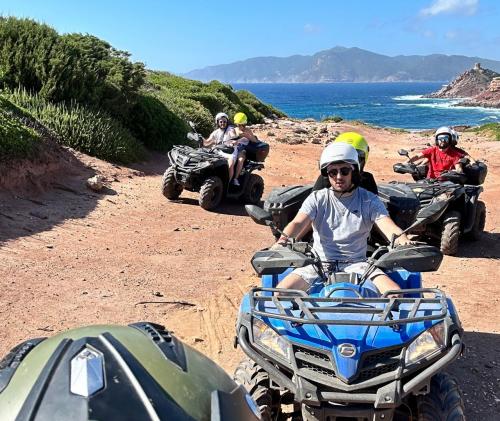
point(206, 171)
point(465, 215)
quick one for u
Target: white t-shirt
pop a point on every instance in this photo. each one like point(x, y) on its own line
point(222, 135)
point(341, 226)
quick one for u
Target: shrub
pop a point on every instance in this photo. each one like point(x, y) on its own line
point(89, 131)
point(155, 125)
point(16, 140)
point(72, 67)
point(490, 129)
point(200, 102)
point(334, 118)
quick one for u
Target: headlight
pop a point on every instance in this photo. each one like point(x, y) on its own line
point(426, 344)
point(268, 338)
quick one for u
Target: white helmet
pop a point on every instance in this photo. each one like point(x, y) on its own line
point(338, 152)
point(445, 130)
point(219, 116)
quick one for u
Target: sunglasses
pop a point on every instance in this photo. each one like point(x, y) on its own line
point(443, 138)
point(344, 171)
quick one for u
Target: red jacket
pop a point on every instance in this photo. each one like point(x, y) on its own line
point(442, 160)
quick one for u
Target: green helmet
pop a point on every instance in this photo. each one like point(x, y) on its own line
point(135, 372)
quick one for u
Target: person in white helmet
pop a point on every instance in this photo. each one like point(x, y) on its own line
point(444, 155)
point(341, 217)
point(224, 134)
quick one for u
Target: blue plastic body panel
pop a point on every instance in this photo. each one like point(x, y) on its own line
point(364, 338)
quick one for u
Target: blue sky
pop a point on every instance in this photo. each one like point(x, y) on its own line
point(179, 36)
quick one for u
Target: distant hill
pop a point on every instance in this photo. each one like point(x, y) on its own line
point(341, 64)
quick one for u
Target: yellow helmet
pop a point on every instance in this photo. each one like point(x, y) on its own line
point(240, 118)
point(359, 143)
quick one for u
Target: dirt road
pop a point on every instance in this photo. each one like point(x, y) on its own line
point(70, 257)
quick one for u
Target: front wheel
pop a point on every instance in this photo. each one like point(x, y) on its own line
point(444, 402)
point(170, 188)
point(254, 189)
point(257, 383)
point(211, 193)
point(479, 222)
point(450, 233)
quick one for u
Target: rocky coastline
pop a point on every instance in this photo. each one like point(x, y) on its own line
point(480, 88)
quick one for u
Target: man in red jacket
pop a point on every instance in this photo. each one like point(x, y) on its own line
point(444, 156)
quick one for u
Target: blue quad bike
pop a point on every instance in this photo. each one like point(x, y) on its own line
point(340, 352)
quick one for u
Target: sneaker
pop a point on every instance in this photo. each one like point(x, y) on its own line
point(236, 182)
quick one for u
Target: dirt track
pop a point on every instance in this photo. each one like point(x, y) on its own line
point(70, 257)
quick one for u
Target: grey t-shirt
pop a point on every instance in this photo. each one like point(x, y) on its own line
point(222, 135)
point(341, 226)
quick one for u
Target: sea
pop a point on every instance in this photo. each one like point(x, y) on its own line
point(397, 105)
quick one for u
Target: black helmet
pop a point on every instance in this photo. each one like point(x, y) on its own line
point(136, 372)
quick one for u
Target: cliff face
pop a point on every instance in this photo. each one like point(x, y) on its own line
point(469, 84)
point(487, 98)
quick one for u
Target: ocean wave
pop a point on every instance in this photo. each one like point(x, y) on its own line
point(453, 105)
point(489, 117)
point(408, 98)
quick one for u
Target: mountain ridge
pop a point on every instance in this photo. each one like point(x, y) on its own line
point(341, 64)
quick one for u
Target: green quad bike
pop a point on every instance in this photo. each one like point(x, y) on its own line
point(138, 372)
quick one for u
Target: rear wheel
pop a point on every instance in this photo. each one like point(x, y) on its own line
point(479, 221)
point(254, 189)
point(211, 193)
point(450, 233)
point(256, 381)
point(170, 188)
point(444, 402)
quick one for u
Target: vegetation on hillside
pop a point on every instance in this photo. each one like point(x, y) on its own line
point(97, 101)
point(492, 130)
point(17, 141)
point(200, 102)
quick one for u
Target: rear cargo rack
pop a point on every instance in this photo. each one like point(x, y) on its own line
point(310, 307)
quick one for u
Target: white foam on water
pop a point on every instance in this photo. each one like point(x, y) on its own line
point(408, 98)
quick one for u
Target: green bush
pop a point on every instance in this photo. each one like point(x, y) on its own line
point(490, 129)
point(155, 125)
point(334, 118)
point(68, 68)
point(16, 140)
point(89, 131)
point(200, 102)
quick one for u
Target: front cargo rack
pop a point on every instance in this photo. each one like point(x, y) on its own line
point(311, 308)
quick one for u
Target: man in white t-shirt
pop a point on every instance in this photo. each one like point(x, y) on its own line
point(224, 134)
point(341, 217)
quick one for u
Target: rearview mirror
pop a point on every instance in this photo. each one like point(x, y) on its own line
point(259, 215)
point(403, 152)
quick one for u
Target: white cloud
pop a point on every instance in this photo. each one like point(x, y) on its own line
point(451, 35)
point(466, 7)
point(310, 28)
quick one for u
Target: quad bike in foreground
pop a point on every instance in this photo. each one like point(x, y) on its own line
point(137, 372)
point(206, 171)
point(337, 353)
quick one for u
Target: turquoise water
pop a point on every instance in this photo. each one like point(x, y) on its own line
point(383, 104)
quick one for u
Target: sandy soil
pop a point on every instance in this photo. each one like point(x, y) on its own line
point(69, 256)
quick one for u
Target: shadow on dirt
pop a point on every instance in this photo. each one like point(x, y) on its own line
point(478, 372)
point(156, 164)
point(488, 247)
point(226, 208)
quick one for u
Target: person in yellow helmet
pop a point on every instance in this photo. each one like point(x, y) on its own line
point(361, 145)
point(244, 136)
